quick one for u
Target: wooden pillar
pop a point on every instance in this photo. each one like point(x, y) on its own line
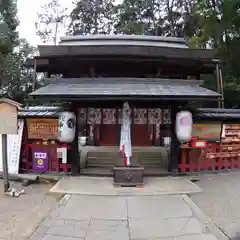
point(175, 144)
point(219, 86)
point(34, 76)
point(74, 152)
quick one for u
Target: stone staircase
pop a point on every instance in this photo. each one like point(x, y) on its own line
point(108, 157)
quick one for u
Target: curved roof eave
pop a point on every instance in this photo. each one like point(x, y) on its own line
point(123, 38)
point(126, 50)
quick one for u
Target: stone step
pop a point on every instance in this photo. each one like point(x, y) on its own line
point(101, 162)
point(107, 172)
point(120, 158)
point(114, 154)
point(100, 165)
point(103, 154)
point(110, 157)
point(109, 164)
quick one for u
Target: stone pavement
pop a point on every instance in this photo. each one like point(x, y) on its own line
point(19, 217)
point(220, 200)
point(153, 186)
point(122, 218)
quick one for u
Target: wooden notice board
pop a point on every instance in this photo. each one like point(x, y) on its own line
point(207, 131)
point(42, 128)
point(8, 118)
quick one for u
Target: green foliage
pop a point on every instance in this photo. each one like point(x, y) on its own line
point(14, 79)
point(136, 17)
point(8, 26)
point(50, 21)
point(8, 40)
point(92, 17)
point(218, 25)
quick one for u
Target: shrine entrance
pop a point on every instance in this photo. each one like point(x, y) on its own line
point(104, 125)
point(149, 126)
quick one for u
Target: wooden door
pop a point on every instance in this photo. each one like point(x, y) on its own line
point(140, 135)
point(109, 135)
point(140, 132)
point(109, 128)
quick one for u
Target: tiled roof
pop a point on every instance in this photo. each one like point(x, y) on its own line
point(217, 114)
point(39, 111)
point(125, 87)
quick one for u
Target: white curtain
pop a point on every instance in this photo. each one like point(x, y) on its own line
point(125, 142)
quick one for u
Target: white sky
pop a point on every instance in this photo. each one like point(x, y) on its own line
point(27, 14)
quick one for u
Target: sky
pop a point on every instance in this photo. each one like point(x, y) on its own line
point(27, 14)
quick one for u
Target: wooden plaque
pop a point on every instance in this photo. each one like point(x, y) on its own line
point(42, 128)
point(8, 118)
point(207, 131)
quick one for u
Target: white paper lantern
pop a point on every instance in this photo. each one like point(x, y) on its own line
point(184, 125)
point(67, 127)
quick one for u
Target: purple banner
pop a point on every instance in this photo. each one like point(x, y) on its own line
point(40, 160)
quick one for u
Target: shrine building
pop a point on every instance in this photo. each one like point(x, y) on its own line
point(95, 75)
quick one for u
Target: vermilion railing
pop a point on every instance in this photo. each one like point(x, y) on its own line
point(215, 157)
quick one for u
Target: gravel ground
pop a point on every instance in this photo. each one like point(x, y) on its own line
point(220, 200)
point(19, 217)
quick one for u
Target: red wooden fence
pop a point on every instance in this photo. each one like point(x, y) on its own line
point(215, 156)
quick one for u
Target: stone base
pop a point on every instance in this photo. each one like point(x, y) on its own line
point(128, 176)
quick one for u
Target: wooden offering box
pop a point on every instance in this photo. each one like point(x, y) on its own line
point(128, 176)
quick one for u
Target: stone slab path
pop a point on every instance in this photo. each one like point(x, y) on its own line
point(123, 218)
point(152, 186)
point(220, 201)
point(19, 217)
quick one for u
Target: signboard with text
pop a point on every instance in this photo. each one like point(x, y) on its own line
point(42, 128)
point(8, 119)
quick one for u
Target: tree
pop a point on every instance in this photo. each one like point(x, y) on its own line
point(8, 25)
point(173, 12)
point(21, 85)
point(15, 80)
point(219, 27)
point(141, 17)
point(152, 17)
point(50, 21)
point(8, 40)
point(91, 17)
point(18, 79)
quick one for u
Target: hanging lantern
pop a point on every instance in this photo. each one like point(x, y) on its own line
point(67, 127)
point(184, 125)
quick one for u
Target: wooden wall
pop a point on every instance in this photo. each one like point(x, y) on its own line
point(102, 124)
